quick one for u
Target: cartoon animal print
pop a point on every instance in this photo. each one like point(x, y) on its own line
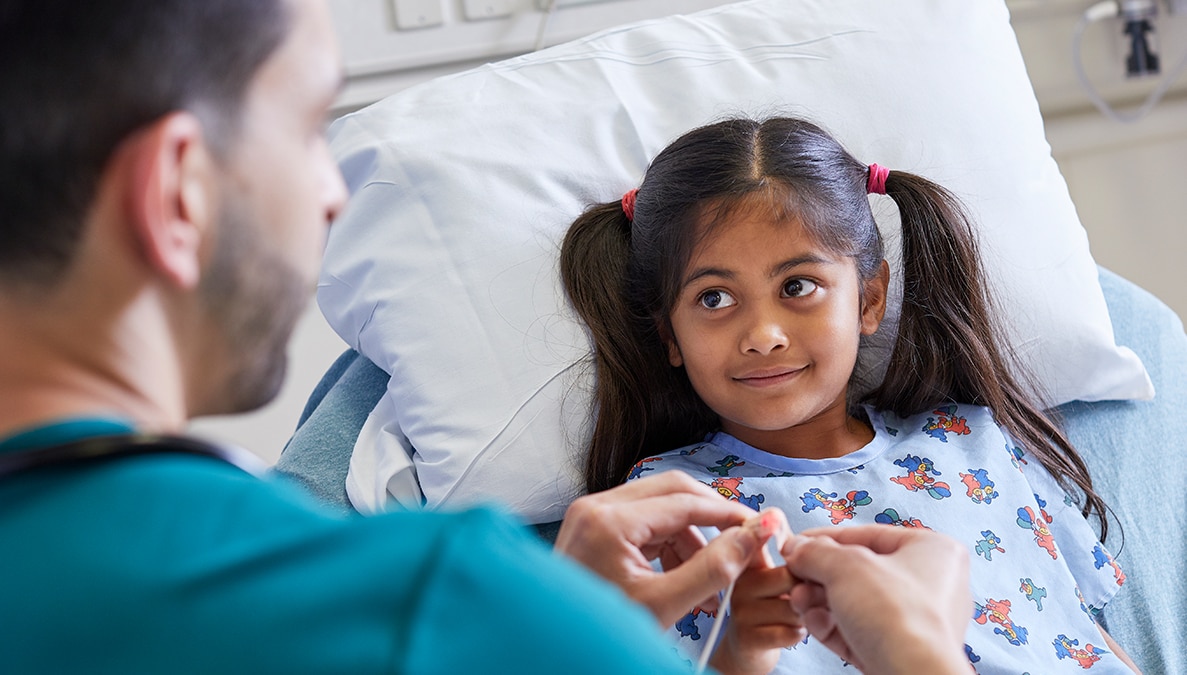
point(919, 477)
point(970, 654)
point(638, 469)
point(687, 625)
point(1017, 455)
point(985, 547)
point(785, 474)
point(891, 517)
point(998, 611)
point(724, 465)
point(1027, 520)
point(1102, 558)
point(838, 509)
point(1067, 648)
point(978, 487)
point(730, 489)
point(1084, 606)
point(855, 469)
point(1034, 593)
point(946, 423)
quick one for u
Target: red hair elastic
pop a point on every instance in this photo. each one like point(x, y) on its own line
point(628, 203)
point(876, 183)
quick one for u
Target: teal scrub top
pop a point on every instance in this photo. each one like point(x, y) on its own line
point(182, 564)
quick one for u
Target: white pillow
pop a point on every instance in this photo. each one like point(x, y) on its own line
point(443, 268)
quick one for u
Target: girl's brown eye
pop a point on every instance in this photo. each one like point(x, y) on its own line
point(715, 299)
point(795, 288)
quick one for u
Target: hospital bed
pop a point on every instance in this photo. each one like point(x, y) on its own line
point(441, 270)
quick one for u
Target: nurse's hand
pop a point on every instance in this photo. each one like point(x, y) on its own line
point(615, 533)
point(886, 599)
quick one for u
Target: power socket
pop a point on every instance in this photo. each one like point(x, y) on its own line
point(477, 10)
point(543, 4)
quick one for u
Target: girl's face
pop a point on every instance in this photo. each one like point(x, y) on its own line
point(767, 325)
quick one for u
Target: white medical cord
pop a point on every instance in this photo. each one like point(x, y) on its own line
point(544, 25)
point(711, 642)
point(1107, 10)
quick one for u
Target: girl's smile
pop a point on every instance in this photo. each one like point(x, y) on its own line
point(769, 377)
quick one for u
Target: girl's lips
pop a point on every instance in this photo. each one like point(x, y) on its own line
point(769, 376)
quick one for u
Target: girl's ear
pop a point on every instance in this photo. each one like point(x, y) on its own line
point(170, 196)
point(873, 300)
point(674, 356)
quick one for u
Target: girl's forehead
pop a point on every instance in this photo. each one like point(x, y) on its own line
point(773, 202)
point(723, 224)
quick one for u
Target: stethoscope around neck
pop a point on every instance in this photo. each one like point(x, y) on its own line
point(101, 449)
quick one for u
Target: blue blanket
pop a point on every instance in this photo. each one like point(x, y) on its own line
point(1135, 450)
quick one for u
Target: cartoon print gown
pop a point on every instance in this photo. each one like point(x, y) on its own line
point(1039, 576)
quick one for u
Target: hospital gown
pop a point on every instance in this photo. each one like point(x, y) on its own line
point(1039, 574)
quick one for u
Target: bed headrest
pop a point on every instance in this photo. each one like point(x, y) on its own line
point(443, 272)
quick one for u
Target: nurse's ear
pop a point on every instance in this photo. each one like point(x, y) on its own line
point(169, 195)
point(873, 299)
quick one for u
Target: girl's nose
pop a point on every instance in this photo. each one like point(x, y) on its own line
point(764, 334)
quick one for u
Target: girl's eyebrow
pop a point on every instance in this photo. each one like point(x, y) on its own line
point(778, 270)
point(806, 259)
point(702, 272)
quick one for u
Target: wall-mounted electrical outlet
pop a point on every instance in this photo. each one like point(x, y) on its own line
point(475, 10)
point(544, 4)
point(417, 13)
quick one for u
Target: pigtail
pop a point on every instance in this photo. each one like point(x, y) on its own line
point(593, 265)
point(633, 409)
point(950, 346)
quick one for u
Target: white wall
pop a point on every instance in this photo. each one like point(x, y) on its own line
point(1127, 181)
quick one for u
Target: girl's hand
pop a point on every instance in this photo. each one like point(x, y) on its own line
point(761, 619)
point(761, 622)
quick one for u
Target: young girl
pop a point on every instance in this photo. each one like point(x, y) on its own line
point(727, 298)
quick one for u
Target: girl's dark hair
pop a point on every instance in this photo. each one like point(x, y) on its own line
point(623, 277)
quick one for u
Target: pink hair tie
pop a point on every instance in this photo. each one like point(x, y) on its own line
point(628, 203)
point(876, 183)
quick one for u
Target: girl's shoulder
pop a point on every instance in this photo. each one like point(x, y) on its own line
point(687, 458)
point(941, 430)
point(939, 420)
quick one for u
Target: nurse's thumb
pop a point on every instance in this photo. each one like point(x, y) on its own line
point(697, 581)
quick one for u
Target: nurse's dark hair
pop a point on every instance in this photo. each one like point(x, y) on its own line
point(623, 278)
point(80, 77)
